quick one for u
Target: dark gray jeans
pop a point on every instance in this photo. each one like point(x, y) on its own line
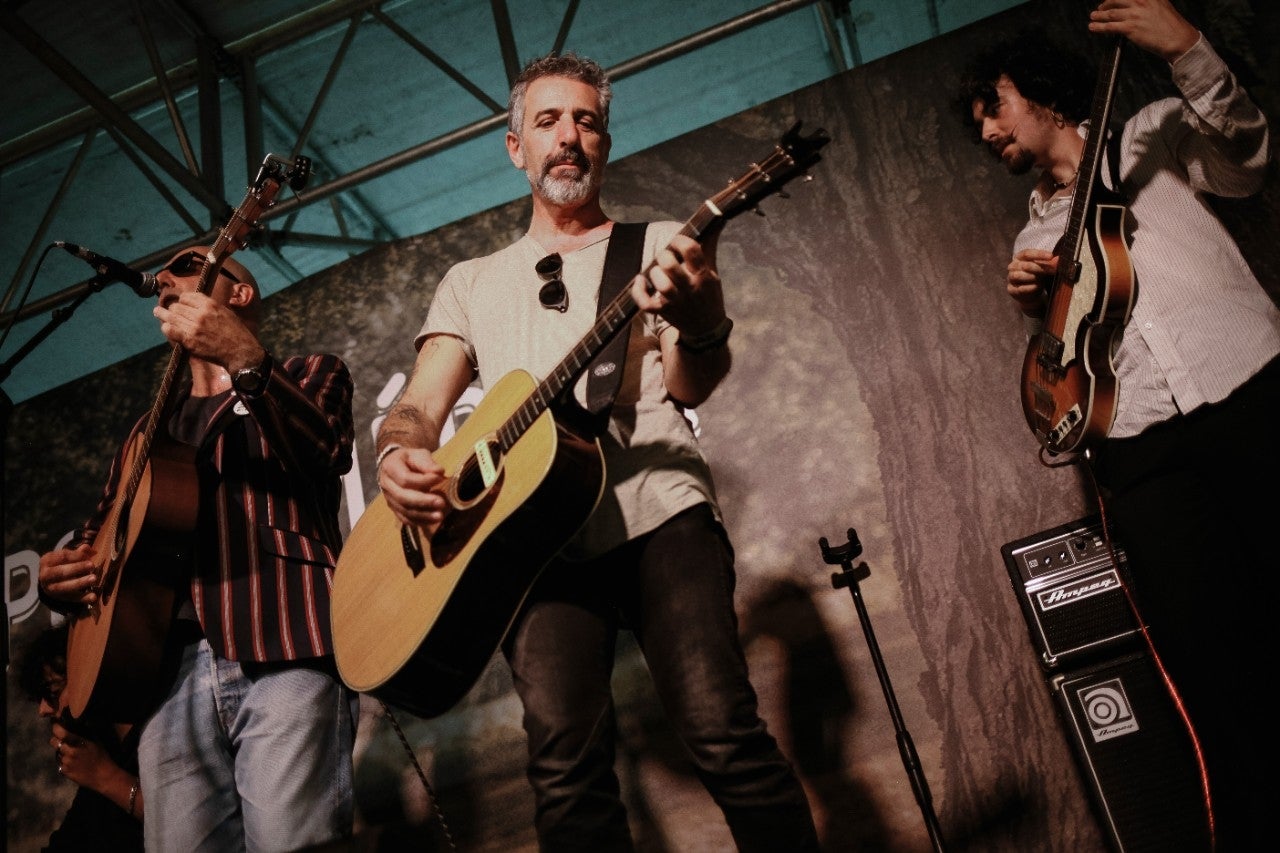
point(674, 588)
point(1195, 503)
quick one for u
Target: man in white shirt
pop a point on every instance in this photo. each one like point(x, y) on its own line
point(653, 556)
point(1187, 472)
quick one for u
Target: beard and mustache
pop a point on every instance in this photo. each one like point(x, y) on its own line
point(567, 189)
point(1019, 161)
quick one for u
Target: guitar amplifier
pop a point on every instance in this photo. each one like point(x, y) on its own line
point(1131, 746)
point(1072, 593)
point(1135, 755)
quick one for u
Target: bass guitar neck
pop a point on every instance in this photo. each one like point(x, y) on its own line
point(1069, 388)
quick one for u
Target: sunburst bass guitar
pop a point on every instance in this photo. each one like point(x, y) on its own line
point(415, 618)
point(114, 647)
point(1069, 387)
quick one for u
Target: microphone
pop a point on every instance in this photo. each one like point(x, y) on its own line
point(143, 283)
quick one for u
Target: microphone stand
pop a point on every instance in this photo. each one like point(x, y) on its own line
point(848, 578)
point(59, 316)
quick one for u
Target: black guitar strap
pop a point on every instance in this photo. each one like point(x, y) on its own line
point(621, 264)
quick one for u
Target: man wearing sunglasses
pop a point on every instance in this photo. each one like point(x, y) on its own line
point(653, 556)
point(250, 746)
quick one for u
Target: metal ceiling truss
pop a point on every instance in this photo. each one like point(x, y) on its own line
point(236, 63)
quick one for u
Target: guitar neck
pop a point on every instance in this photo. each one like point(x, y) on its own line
point(789, 158)
point(1091, 158)
point(178, 358)
point(177, 361)
point(238, 225)
point(611, 320)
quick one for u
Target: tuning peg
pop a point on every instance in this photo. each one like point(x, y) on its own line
point(300, 173)
point(758, 211)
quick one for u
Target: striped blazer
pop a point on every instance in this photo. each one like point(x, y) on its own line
point(267, 536)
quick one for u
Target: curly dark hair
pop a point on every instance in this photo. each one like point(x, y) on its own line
point(1043, 71)
point(556, 65)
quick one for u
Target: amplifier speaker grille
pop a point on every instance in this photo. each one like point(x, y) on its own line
point(1135, 755)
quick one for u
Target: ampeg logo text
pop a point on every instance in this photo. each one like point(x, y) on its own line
point(1108, 710)
point(1078, 590)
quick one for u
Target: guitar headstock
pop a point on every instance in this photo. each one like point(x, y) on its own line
point(293, 172)
point(274, 173)
point(791, 157)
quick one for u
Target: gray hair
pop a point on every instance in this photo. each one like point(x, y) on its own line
point(554, 65)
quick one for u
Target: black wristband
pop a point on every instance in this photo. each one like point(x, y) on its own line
point(708, 340)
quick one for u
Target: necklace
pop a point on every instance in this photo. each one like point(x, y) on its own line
point(1062, 185)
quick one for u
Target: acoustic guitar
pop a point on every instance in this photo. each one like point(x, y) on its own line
point(416, 618)
point(1069, 387)
point(114, 647)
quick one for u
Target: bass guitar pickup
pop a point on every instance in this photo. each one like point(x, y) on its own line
point(1051, 348)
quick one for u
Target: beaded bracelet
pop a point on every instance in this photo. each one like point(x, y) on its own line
point(383, 454)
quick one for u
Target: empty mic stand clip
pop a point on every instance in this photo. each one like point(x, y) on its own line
point(848, 578)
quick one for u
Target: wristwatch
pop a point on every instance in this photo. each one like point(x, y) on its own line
point(250, 382)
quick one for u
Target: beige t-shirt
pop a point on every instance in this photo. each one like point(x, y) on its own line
point(654, 467)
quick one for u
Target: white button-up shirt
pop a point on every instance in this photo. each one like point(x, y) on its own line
point(1201, 324)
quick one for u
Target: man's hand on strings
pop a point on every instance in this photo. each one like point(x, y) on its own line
point(411, 479)
point(1030, 273)
point(682, 287)
point(208, 329)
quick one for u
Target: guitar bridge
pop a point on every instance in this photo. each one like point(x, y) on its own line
point(411, 544)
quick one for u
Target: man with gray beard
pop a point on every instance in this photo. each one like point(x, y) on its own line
point(653, 557)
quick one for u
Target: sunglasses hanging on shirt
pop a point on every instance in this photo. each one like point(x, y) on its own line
point(553, 294)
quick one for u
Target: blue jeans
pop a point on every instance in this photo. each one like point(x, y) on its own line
point(253, 757)
point(674, 588)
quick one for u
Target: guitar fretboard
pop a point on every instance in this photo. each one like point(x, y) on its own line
point(789, 158)
point(611, 320)
point(242, 220)
point(1091, 157)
